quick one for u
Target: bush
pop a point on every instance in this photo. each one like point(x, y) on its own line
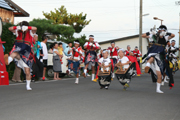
point(9, 38)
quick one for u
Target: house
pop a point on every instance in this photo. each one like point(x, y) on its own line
point(9, 10)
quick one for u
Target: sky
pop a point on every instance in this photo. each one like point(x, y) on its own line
point(111, 19)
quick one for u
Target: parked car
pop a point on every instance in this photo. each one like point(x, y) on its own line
point(50, 71)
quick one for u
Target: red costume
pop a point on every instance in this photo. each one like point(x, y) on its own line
point(113, 52)
point(134, 59)
point(137, 53)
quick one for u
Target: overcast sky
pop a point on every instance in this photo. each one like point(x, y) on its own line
point(111, 19)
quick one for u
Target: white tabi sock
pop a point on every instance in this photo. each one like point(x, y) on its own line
point(148, 64)
point(28, 82)
point(93, 76)
point(77, 81)
point(85, 71)
point(10, 59)
point(165, 79)
point(158, 88)
point(113, 75)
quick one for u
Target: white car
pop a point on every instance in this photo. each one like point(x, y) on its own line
point(64, 67)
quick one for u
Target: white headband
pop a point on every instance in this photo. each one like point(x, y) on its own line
point(36, 34)
point(105, 51)
point(121, 49)
point(76, 42)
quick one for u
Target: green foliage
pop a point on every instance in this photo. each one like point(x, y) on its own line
point(60, 16)
point(9, 38)
point(82, 40)
point(44, 25)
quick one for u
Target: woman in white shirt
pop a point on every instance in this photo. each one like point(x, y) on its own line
point(56, 62)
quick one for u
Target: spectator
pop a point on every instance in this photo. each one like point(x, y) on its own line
point(17, 74)
point(3, 48)
point(37, 65)
point(51, 49)
point(45, 55)
point(56, 62)
point(60, 50)
point(37, 46)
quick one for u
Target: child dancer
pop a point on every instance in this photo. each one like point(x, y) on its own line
point(105, 64)
point(125, 78)
point(77, 53)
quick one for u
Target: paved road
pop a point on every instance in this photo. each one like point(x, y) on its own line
point(63, 100)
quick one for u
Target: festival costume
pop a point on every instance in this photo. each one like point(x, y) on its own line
point(91, 55)
point(125, 72)
point(157, 51)
point(76, 61)
point(113, 55)
point(96, 78)
point(104, 77)
point(137, 54)
point(23, 44)
point(127, 52)
point(173, 58)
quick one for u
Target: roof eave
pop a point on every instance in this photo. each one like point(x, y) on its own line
point(119, 39)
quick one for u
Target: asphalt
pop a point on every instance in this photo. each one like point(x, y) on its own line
point(64, 100)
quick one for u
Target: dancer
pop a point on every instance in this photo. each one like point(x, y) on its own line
point(124, 71)
point(69, 58)
point(91, 55)
point(172, 56)
point(155, 56)
point(104, 75)
point(77, 53)
point(113, 55)
point(22, 52)
point(128, 50)
point(100, 55)
point(137, 54)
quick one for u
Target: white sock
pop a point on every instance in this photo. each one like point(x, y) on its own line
point(85, 71)
point(113, 75)
point(148, 64)
point(93, 76)
point(28, 82)
point(158, 88)
point(77, 80)
point(10, 59)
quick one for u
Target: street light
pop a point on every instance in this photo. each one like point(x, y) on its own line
point(156, 18)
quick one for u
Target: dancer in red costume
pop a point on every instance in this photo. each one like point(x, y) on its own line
point(22, 52)
point(113, 55)
point(91, 47)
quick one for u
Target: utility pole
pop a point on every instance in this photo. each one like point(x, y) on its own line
point(179, 34)
point(178, 3)
point(140, 29)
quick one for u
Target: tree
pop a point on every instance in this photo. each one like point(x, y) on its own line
point(81, 39)
point(60, 16)
point(44, 25)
